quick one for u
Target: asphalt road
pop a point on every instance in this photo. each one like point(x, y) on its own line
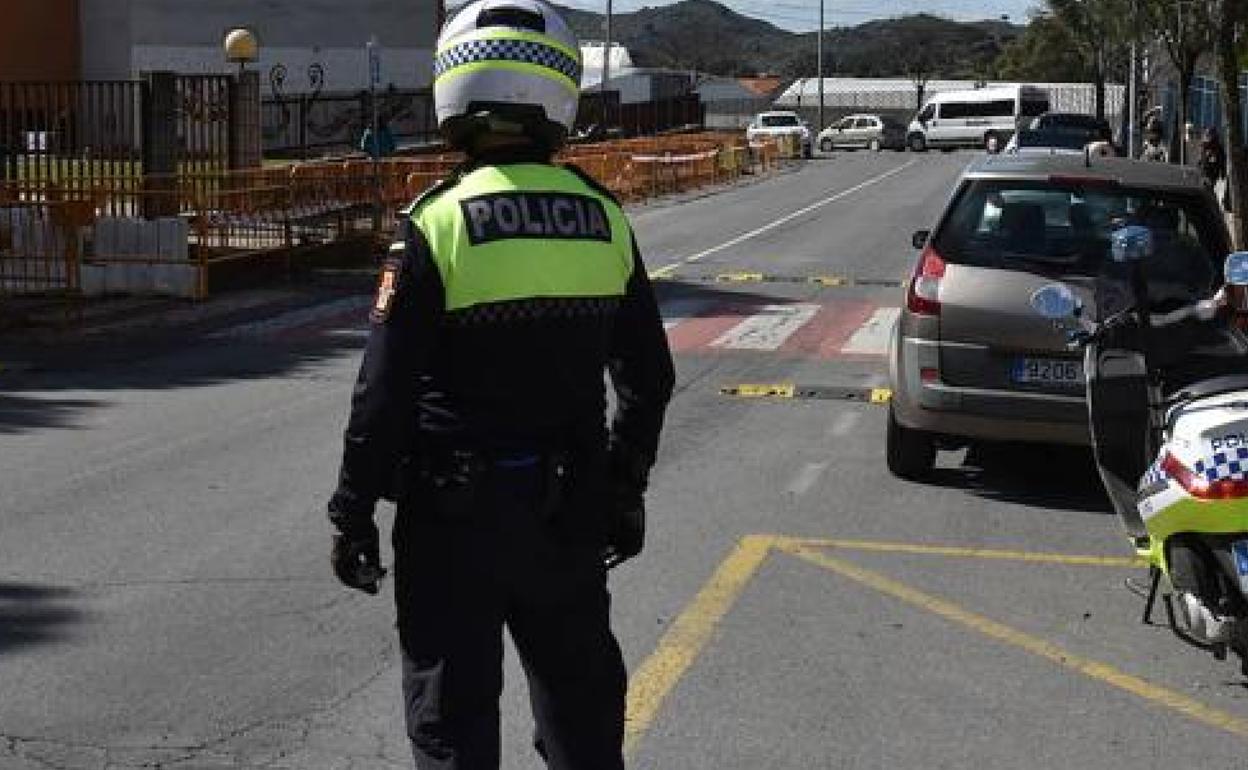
point(165, 598)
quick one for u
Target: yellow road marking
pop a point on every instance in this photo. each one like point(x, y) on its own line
point(665, 271)
point(829, 280)
point(1093, 669)
point(740, 277)
point(782, 390)
point(965, 553)
point(688, 635)
point(881, 395)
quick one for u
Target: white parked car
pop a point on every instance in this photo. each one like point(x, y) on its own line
point(781, 123)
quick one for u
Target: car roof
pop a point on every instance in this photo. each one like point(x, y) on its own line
point(1124, 171)
point(777, 112)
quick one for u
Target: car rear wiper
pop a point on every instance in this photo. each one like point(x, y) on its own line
point(1059, 260)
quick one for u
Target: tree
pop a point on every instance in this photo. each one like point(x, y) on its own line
point(1046, 52)
point(1100, 29)
point(1230, 18)
point(1186, 30)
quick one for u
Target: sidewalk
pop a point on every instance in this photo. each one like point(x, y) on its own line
point(125, 329)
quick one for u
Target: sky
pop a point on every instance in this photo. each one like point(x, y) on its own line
point(803, 15)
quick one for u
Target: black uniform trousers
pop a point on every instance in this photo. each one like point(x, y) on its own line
point(463, 572)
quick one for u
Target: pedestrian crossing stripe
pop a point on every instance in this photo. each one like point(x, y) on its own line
point(695, 323)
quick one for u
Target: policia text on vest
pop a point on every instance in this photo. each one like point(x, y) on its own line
point(535, 215)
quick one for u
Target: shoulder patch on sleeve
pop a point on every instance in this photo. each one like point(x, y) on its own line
point(387, 288)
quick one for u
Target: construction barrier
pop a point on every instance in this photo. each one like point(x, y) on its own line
point(163, 235)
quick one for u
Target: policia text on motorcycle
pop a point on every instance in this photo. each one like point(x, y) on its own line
point(480, 409)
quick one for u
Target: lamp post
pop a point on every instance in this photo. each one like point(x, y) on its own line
point(819, 66)
point(241, 47)
point(606, 68)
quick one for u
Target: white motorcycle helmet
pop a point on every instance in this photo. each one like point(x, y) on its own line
point(507, 66)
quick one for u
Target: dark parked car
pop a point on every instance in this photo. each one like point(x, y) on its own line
point(1097, 127)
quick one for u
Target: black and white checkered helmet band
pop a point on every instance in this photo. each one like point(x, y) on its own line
point(522, 51)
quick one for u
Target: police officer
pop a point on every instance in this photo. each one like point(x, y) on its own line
point(481, 409)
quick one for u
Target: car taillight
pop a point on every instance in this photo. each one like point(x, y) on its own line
point(923, 295)
point(1200, 487)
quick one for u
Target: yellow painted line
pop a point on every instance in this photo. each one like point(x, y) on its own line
point(829, 280)
point(966, 553)
point(1101, 672)
point(740, 277)
point(782, 390)
point(680, 646)
point(881, 395)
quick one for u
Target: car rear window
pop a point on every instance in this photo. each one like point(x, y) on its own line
point(1063, 229)
point(772, 121)
point(1066, 137)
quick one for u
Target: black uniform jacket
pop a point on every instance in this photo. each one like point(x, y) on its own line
point(522, 376)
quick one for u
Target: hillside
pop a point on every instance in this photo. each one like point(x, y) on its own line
point(707, 36)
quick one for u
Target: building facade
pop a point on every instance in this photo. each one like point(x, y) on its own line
point(119, 39)
point(39, 40)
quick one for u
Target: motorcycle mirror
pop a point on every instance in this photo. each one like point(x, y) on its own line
point(1133, 243)
point(1055, 301)
point(1236, 270)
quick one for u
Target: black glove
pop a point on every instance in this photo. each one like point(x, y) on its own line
point(626, 520)
point(626, 533)
point(356, 553)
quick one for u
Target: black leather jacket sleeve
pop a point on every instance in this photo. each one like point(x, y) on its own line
point(1173, 335)
point(641, 368)
point(403, 332)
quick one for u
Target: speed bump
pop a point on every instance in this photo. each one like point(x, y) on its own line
point(877, 396)
point(783, 390)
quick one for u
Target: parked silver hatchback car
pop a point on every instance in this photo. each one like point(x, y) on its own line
point(970, 360)
point(873, 132)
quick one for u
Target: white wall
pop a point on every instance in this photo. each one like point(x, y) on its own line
point(122, 38)
point(346, 69)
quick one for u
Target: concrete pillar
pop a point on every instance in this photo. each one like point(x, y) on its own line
point(160, 144)
point(244, 131)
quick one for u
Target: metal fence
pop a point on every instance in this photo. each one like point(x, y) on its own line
point(305, 124)
point(599, 111)
point(79, 134)
point(71, 131)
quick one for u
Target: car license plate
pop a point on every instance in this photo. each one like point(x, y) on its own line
point(1048, 371)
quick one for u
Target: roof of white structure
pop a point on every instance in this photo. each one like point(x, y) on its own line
point(809, 87)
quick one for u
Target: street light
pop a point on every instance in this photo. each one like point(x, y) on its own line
point(241, 47)
point(819, 66)
point(606, 68)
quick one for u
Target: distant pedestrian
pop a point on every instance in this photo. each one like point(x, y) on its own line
point(1154, 144)
point(380, 145)
point(1212, 159)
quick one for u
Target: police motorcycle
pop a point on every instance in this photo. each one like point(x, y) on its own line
point(1192, 500)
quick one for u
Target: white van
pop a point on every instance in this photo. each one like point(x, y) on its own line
point(984, 117)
